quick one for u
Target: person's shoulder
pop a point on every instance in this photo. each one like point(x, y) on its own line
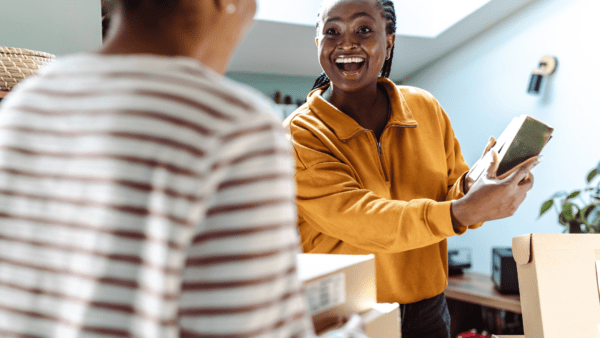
point(303, 121)
point(298, 115)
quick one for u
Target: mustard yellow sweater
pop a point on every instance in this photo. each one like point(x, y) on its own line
point(393, 199)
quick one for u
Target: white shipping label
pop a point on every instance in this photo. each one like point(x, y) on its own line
point(326, 293)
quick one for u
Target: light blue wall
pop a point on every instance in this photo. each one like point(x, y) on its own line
point(296, 86)
point(482, 85)
point(54, 26)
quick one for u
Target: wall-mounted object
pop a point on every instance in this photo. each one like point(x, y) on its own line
point(546, 68)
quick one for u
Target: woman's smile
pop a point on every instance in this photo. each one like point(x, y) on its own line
point(349, 65)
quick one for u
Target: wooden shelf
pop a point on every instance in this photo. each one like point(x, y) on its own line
point(479, 289)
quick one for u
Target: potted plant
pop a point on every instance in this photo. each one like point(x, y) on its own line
point(578, 211)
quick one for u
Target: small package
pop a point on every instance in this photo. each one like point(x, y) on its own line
point(337, 286)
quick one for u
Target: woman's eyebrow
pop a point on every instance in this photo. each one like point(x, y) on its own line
point(353, 17)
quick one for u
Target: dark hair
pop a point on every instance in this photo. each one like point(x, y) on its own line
point(389, 13)
point(131, 5)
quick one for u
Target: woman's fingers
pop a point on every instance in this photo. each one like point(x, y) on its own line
point(493, 167)
point(490, 144)
point(524, 172)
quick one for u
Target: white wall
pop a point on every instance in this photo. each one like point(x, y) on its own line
point(482, 85)
point(54, 26)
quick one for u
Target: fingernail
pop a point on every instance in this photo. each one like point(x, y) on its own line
point(540, 158)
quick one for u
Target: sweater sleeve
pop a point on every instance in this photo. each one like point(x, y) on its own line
point(332, 200)
point(457, 168)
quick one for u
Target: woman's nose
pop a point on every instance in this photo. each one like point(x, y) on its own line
point(347, 42)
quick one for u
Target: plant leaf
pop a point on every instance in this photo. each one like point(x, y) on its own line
point(546, 206)
point(591, 175)
point(591, 215)
point(568, 211)
point(574, 194)
point(562, 220)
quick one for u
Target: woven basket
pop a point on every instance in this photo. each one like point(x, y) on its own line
point(17, 64)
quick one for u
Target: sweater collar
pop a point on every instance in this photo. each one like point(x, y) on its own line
point(345, 127)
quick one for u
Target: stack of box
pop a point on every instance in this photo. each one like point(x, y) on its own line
point(338, 286)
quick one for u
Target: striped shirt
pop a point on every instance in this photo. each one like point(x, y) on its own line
point(144, 196)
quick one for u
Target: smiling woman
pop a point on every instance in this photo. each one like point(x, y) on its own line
point(379, 169)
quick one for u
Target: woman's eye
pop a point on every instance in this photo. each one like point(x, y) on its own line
point(364, 30)
point(330, 31)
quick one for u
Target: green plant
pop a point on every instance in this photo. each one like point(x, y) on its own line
point(578, 211)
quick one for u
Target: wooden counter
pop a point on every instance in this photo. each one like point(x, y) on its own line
point(479, 289)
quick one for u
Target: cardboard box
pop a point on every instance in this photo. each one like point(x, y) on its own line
point(382, 321)
point(337, 286)
point(558, 279)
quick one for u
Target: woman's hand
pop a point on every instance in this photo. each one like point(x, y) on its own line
point(469, 180)
point(490, 198)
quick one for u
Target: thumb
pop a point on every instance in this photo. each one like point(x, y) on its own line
point(490, 144)
point(493, 167)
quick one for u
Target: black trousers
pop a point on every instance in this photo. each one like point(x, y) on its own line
point(428, 318)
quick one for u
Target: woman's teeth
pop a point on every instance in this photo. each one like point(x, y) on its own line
point(349, 60)
point(349, 64)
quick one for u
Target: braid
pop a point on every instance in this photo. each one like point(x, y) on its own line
point(389, 13)
point(321, 81)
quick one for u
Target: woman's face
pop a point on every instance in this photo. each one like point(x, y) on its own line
point(352, 42)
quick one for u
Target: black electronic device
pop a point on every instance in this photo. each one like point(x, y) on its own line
point(504, 271)
point(458, 259)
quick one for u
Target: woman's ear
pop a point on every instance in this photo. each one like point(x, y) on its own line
point(390, 41)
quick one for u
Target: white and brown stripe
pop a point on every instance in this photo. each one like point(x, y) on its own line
point(145, 197)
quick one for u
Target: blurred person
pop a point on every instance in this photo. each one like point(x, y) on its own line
point(379, 169)
point(142, 194)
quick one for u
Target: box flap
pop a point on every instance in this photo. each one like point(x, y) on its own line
point(521, 248)
point(559, 285)
point(311, 266)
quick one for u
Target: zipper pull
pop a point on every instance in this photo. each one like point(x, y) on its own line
point(379, 148)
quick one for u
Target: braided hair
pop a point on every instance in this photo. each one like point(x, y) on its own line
point(389, 13)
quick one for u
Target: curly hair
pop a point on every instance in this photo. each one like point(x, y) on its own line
point(389, 13)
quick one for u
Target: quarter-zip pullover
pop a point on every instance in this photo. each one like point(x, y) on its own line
point(391, 197)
